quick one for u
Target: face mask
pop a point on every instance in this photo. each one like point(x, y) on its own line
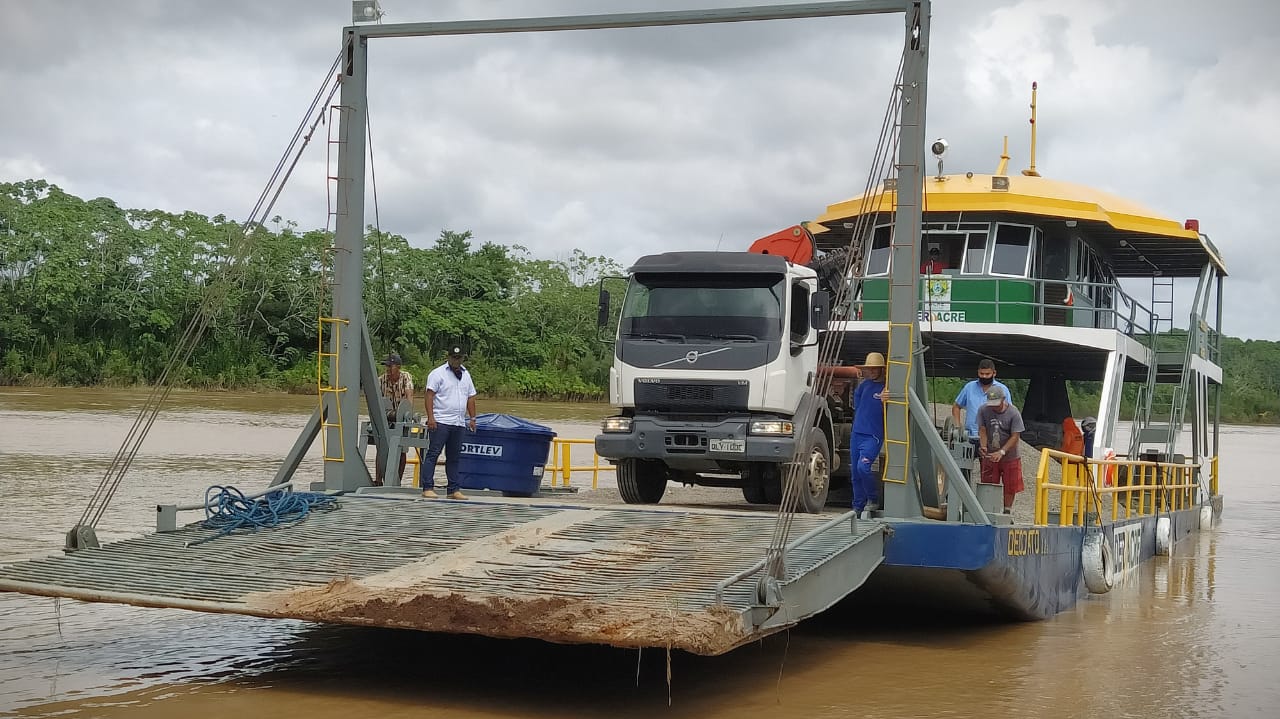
point(986, 380)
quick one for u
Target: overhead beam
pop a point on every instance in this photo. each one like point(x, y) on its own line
point(634, 19)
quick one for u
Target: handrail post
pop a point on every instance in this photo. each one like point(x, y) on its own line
point(549, 467)
point(1042, 492)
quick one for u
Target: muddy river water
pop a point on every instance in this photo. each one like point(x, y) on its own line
point(1192, 635)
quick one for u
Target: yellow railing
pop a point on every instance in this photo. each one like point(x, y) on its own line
point(564, 467)
point(1094, 486)
point(558, 470)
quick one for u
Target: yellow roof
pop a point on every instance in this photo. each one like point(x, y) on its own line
point(1029, 195)
point(1032, 196)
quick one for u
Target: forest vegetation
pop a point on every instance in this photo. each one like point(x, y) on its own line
point(95, 294)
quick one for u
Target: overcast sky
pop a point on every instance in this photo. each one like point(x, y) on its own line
point(628, 142)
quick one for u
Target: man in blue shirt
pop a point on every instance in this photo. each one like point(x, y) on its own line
point(868, 434)
point(973, 396)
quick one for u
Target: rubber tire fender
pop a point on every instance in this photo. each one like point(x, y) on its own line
point(1206, 518)
point(1164, 536)
point(1097, 563)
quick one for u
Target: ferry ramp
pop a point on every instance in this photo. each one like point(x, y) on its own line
point(671, 577)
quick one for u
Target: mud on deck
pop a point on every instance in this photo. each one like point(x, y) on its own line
point(628, 577)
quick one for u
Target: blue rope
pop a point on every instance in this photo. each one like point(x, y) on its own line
point(227, 510)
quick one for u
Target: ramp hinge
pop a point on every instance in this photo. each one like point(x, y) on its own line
point(81, 537)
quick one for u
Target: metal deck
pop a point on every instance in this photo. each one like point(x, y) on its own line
point(667, 577)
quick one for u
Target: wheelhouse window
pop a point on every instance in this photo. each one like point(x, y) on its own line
point(975, 253)
point(1011, 255)
point(881, 247)
point(950, 246)
point(695, 306)
point(1082, 261)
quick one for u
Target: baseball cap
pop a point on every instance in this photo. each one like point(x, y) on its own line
point(391, 359)
point(456, 352)
point(995, 396)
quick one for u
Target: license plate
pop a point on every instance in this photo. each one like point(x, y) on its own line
point(729, 445)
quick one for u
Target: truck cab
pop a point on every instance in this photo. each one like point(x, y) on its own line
point(715, 361)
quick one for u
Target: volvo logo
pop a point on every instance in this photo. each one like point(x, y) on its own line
point(692, 356)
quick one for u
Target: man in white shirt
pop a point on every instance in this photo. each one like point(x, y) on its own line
point(451, 412)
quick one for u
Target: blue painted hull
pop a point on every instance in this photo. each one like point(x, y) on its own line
point(1020, 572)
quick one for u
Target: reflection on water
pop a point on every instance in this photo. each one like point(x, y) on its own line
point(1192, 635)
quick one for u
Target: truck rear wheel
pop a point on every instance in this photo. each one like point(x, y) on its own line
point(641, 481)
point(763, 481)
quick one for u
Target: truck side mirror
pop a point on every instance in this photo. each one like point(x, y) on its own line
point(602, 308)
point(820, 310)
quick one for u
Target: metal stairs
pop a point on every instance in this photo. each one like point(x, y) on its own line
point(1158, 415)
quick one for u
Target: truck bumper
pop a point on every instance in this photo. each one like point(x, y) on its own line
point(722, 441)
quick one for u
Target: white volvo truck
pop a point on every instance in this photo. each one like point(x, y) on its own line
point(715, 364)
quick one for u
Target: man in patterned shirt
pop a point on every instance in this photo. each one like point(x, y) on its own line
point(395, 385)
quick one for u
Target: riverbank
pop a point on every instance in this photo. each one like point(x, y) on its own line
point(264, 388)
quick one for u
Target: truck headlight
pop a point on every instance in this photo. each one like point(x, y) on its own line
point(615, 424)
point(775, 426)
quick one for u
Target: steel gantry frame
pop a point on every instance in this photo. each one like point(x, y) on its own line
point(351, 365)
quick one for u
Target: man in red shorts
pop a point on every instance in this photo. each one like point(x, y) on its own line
point(999, 427)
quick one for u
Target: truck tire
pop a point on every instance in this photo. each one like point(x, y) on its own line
point(767, 480)
point(754, 494)
point(641, 481)
point(815, 474)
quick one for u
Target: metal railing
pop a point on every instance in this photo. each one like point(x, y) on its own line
point(557, 472)
point(1126, 314)
point(564, 467)
point(1123, 488)
point(850, 518)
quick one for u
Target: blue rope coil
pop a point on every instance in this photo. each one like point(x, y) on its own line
point(227, 510)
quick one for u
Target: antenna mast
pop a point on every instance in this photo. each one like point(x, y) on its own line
point(1031, 171)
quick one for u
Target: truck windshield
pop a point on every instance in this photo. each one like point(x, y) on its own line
point(695, 306)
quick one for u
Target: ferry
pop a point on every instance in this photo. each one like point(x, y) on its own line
point(1056, 282)
point(1033, 279)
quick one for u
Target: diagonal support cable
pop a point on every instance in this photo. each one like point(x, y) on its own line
point(831, 343)
point(82, 534)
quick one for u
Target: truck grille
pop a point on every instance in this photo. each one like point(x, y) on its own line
point(691, 396)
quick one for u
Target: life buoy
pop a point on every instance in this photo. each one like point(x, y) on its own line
point(1095, 560)
point(1164, 536)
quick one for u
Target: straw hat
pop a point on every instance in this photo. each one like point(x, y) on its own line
point(874, 359)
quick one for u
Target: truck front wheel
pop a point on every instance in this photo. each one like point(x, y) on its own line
point(815, 473)
point(641, 481)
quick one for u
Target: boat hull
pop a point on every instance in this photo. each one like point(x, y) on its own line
point(1021, 572)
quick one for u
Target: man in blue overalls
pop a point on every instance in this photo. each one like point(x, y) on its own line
point(868, 434)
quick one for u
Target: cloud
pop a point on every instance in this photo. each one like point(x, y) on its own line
point(628, 142)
